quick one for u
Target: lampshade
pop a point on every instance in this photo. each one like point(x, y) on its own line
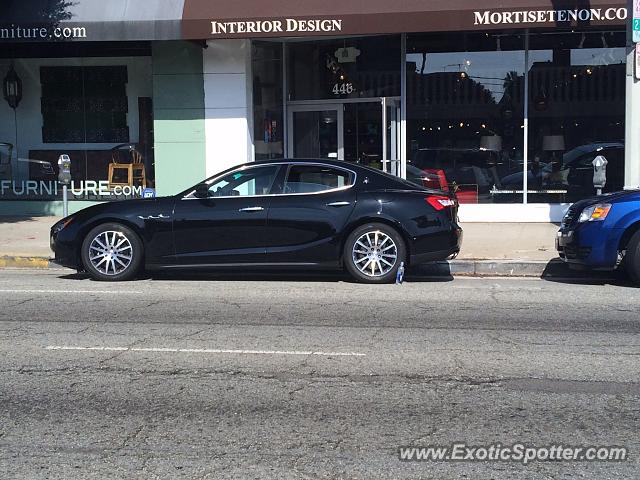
point(491, 143)
point(553, 143)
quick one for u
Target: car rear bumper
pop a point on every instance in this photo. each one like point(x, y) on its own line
point(455, 244)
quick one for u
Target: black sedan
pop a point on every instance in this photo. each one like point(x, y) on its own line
point(284, 213)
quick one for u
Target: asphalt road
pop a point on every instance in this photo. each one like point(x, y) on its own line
point(264, 376)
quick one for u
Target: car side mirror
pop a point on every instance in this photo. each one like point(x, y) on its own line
point(202, 191)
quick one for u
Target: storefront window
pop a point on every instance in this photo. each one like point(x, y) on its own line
point(576, 112)
point(465, 114)
point(97, 110)
point(268, 100)
point(346, 68)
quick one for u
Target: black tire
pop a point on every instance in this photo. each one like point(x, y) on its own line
point(355, 262)
point(122, 238)
point(632, 258)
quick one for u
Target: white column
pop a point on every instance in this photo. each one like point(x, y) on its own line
point(228, 104)
point(632, 120)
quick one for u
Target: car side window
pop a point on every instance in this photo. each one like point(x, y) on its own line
point(247, 182)
point(315, 178)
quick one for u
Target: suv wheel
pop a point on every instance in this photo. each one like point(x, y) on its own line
point(112, 252)
point(373, 253)
point(632, 258)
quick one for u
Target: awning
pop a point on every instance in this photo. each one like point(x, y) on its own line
point(132, 20)
point(90, 20)
point(284, 18)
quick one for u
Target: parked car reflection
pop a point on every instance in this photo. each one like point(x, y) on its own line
point(575, 173)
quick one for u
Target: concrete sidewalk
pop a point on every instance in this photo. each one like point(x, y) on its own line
point(488, 248)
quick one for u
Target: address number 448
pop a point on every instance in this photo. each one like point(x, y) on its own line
point(342, 88)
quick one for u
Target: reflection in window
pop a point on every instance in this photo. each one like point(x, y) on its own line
point(346, 68)
point(465, 115)
point(267, 100)
point(576, 112)
point(315, 178)
point(96, 109)
point(244, 183)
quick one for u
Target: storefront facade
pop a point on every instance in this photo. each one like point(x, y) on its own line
point(508, 106)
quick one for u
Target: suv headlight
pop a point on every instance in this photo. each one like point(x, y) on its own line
point(595, 213)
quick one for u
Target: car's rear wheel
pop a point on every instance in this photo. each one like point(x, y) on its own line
point(112, 252)
point(373, 253)
point(632, 258)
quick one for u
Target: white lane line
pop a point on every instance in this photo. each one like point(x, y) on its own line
point(119, 292)
point(208, 350)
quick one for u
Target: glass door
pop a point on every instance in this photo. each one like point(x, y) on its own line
point(391, 138)
point(316, 131)
point(363, 133)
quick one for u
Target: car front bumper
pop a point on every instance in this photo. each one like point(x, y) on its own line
point(63, 247)
point(589, 245)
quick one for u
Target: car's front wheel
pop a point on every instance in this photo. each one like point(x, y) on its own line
point(632, 258)
point(112, 252)
point(373, 253)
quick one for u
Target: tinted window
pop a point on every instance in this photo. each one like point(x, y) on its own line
point(315, 178)
point(246, 182)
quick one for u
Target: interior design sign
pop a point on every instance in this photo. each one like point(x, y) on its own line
point(287, 25)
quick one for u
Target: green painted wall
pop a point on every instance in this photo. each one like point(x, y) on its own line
point(178, 114)
point(34, 208)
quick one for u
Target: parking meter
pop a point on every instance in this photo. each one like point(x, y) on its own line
point(599, 173)
point(64, 177)
point(64, 171)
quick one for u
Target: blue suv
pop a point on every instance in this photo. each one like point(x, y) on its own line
point(603, 233)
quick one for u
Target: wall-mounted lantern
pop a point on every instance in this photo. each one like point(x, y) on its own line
point(12, 88)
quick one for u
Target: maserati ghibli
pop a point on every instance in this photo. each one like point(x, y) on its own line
point(310, 214)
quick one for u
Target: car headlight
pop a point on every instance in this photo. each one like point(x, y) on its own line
point(595, 213)
point(61, 224)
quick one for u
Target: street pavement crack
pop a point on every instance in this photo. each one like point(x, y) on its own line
point(132, 436)
point(20, 303)
point(122, 352)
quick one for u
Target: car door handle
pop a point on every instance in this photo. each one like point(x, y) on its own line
point(251, 209)
point(338, 204)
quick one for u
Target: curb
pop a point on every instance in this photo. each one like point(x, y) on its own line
point(495, 268)
point(16, 261)
point(463, 268)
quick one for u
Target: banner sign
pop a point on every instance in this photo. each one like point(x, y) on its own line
point(120, 20)
point(638, 61)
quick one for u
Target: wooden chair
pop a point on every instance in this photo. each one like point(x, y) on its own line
point(133, 171)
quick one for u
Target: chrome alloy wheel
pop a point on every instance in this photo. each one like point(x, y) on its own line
point(375, 253)
point(110, 252)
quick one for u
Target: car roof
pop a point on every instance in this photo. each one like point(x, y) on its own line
point(337, 163)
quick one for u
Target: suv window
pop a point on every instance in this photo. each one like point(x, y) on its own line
point(315, 178)
point(245, 183)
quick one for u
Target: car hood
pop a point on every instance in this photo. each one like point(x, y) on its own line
point(612, 197)
point(127, 207)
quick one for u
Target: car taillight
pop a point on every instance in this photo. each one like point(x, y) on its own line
point(440, 202)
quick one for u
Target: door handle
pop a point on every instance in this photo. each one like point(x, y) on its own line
point(338, 204)
point(251, 209)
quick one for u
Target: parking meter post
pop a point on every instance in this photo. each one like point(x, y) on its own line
point(64, 177)
point(65, 201)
